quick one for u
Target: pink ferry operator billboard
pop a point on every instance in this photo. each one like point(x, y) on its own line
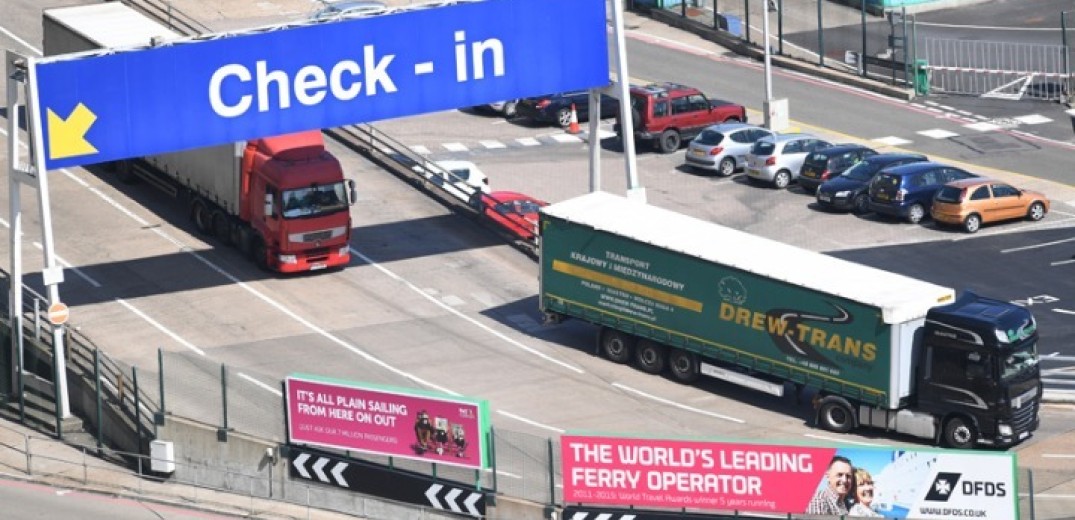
point(397, 422)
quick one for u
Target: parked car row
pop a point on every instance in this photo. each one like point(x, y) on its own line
point(853, 177)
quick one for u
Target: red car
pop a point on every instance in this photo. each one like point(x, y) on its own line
point(515, 212)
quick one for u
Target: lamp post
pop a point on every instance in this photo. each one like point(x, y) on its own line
point(776, 110)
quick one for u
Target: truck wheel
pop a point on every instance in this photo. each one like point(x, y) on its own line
point(203, 218)
point(960, 433)
point(650, 356)
point(260, 255)
point(683, 365)
point(669, 141)
point(836, 415)
point(782, 179)
point(617, 346)
point(125, 171)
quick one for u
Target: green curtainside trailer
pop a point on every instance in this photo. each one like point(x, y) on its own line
point(670, 292)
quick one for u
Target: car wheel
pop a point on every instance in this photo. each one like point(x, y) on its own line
point(617, 346)
point(726, 167)
point(669, 141)
point(916, 213)
point(1036, 212)
point(972, 223)
point(563, 117)
point(683, 366)
point(509, 109)
point(960, 433)
point(650, 356)
point(782, 179)
point(860, 204)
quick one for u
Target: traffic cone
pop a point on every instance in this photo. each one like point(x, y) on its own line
point(573, 128)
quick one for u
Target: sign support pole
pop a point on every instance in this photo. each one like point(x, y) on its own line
point(51, 274)
point(627, 124)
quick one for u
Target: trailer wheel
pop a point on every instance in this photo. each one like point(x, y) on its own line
point(683, 365)
point(617, 346)
point(836, 415)
point(221, 226)
point(203, 218)
point(650, 356)
point(960, 433)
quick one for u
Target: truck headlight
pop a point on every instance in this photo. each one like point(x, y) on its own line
point(288, 259)
point(345, 250)
point(1004, 430)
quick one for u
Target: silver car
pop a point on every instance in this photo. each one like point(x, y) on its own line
point(334, 10)
point(778, 159)
point(723, 148)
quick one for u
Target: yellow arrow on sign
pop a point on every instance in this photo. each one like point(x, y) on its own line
point(67, 137)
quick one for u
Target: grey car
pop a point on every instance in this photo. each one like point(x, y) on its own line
point(723, 148)
point(778, 159)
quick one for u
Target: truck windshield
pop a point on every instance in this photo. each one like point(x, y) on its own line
point(1021, 359)
point(315, 200)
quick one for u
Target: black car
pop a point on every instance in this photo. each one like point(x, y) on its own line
point(827, 163)
point(556, 108)
point(848, 191)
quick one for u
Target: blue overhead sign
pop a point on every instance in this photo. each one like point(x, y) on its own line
point(203, 92)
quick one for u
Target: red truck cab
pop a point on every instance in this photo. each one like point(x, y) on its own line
point(297, 202)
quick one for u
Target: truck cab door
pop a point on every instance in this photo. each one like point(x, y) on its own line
point(956, 379)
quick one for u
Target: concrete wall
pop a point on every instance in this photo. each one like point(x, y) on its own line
point(240, 463)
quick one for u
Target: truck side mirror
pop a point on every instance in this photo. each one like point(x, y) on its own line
point(351, 192)
point(268, 205)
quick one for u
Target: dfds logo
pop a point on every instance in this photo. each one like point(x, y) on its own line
point(946, 483)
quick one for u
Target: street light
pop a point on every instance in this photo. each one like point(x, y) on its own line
point(776, 110)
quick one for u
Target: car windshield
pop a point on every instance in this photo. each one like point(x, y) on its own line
point(862, 171)
point(709, 137)
point(1021, 359)
point(520, 207)
point(315, 200)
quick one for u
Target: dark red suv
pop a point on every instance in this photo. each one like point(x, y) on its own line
point(669, 114)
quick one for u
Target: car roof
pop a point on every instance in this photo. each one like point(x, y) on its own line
point(893, 157)
point(779, 138)
point(974, 181)
point(842, 147)
point(661, 89)
point(912, 168)
point(728, 127)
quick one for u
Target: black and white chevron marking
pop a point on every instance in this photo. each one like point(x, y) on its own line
point(599, 516)
point(318, 465)
point(456, 500)
point(361, 476)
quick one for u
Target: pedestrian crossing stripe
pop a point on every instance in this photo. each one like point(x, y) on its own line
point(937, 133)
point(891, 141)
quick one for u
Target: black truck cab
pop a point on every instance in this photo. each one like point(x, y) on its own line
point(979, 371)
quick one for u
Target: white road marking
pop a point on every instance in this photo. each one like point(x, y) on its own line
point(566, 138)
point(167, 332)
point(982, 126)
point(262, 385)
point(677, 405)
point(531, 423)
point(420, 150)
point(1064, 311)
point(937, 133)
point(493, 144)
point(455, 147)
point(842, 440)
point(891, 141)
point(1033, 119)
point(67, 265)
point(1036, 246)
point(528, 141)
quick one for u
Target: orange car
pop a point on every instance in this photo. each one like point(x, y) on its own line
point(973, 202)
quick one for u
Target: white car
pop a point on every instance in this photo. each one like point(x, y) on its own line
point(462, 179)
point(347, 8)
point(778, 159)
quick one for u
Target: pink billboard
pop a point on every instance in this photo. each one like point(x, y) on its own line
point(387, 421)
point(788, 479)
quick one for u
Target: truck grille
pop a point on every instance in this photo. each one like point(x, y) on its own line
point(317, 255)
point(1023, 417)
point(317, 235)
